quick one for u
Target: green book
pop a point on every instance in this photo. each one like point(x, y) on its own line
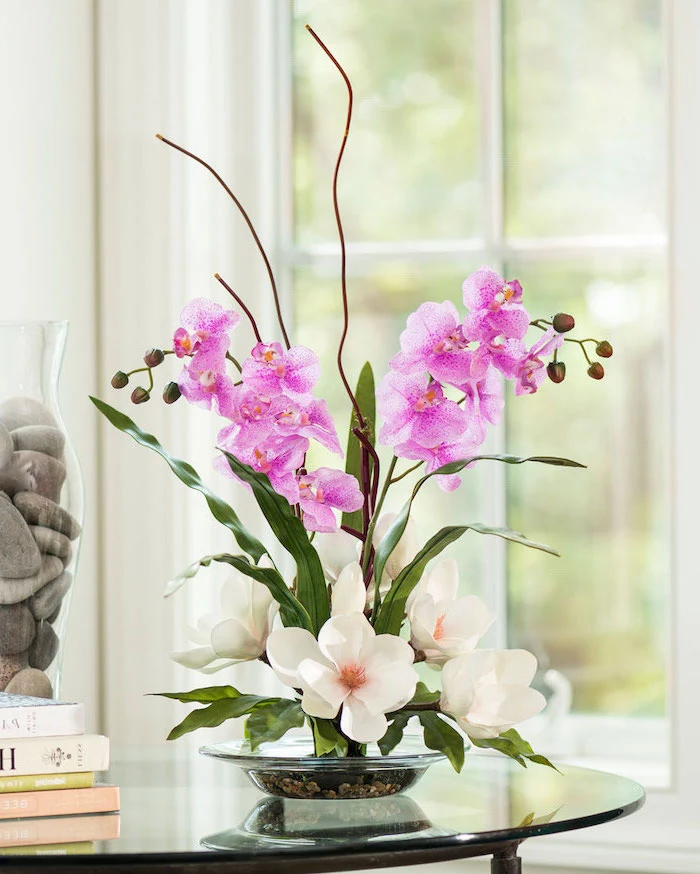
point(78, 848)
point(36, 782)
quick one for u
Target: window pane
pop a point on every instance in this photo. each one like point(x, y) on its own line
point(584, 117)
point(598, 613)
point(410, 168)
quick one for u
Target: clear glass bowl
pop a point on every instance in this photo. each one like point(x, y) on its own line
point(289, 769)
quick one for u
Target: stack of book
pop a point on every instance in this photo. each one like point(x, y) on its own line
point(48, 795)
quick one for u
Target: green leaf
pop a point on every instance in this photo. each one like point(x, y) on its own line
point(327, 739)
point(220, 510)
point(394, 733)
point(423, 695)
point(365, 397)
point(393, 606)
point(438, 735)
point(216, 713)
point(270, 721)
point(393, 535)
point(515, 747)
point(311, 589)
point(202, 696)
point(291, 611)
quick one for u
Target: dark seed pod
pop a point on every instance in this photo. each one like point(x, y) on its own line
point(556, 371)
point(596, 371)
point(140, 396)
point(563, 322)
point(604, 349)
point(120, 379)
point(171, 392)
point(154, 357)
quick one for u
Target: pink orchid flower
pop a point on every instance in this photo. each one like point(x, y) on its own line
point(495, 306)
point(441, 453)
point(417, 413)
point(532, 369)
point(203, 322)
point(324, 489)
point(272, 371)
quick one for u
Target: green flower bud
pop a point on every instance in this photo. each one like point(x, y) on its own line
point(154, 357)
point(556, 371)
point(139, 396)
point(171, 392)
point(563, 322)
point(596, 371)
point(604, 349)
point(120, 379)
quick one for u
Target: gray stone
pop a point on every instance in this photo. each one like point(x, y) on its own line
point(13, 589)
point(18, 412)
point(5, 447)
point(11, 665)
point(19, 553)
point(30, 681)
point(38, 510)
point(13, 479)
point(40, 438)
point(48, 599)
point(17, 628)
point(52, 542)
point(44, 647)
point(47, 474)
point(54, 616)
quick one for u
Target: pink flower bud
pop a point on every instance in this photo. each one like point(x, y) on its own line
point(556, 371)
point(596, 370)
point(604, 349)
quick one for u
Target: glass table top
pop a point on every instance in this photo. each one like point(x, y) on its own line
point(179, 805)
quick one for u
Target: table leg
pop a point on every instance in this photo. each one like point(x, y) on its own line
point(506, 861)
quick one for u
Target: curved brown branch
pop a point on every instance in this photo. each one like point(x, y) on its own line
point(240, 303)
point(247, 220)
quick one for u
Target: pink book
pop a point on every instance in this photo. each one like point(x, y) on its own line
point(59, 830)
point(58, 802)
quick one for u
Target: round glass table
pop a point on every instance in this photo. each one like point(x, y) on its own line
point(184, 814)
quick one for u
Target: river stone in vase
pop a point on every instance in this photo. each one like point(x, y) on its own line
point(40, 510)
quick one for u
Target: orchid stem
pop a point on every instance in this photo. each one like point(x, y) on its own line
point(375, 516)
point(247, 220)
point(406, 473)
point(242, 305)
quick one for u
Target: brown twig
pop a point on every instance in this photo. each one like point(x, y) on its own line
point(240, 303)
point(247, 220)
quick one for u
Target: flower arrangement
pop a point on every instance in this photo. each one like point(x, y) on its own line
point(368, 601)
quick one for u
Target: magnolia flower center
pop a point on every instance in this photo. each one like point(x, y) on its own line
point(439, 631)
point(353, 677)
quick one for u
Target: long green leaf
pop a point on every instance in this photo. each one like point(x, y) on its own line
point(393, 535)
point(510, 744)
point(327, 739)
point(438, 735)
point(365, 397)
point(393, 735)
point(291, 611)
point(393, 606)
point(312, 589)
point(216, 713)
point(220, 510)
point(202, 696)
point(272, 720)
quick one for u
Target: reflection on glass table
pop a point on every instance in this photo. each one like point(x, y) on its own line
point(182, 814)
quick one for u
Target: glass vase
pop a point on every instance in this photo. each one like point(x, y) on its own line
point(41, 509)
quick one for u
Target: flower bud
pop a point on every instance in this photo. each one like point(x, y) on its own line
point(604, 349)
point(154, 357)
point(563, 322)
point(120, 379)
point(140, 396)
point(556, 371)
point(171, 392)
point(596, 371)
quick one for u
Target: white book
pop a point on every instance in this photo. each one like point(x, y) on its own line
point(25, 716)
point(51, 755)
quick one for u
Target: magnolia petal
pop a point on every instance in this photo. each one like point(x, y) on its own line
point(388, 689)
point(387, 648)
point(458, 687)
point(194, 658)
point(233, 640)
point(287, 648)
point(349, 593)
point(315, 705)
point(467, 618)
point(323, 681)
point(404, 551)
point(336, 551)
point(443, 580)
point(343, 638)
point(502, 706)
point(359, 724)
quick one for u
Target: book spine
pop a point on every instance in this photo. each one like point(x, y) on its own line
point(59, 830)
point(41, 782)
point(47, 720)
point(38, 755)
point(98, 799)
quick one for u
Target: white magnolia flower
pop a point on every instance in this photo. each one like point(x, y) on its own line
point(444, 626)
point(348, 592)
point(336, 551)
point(238, 634)
point(349, 666)
point(488, 691)
point(404, 551)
